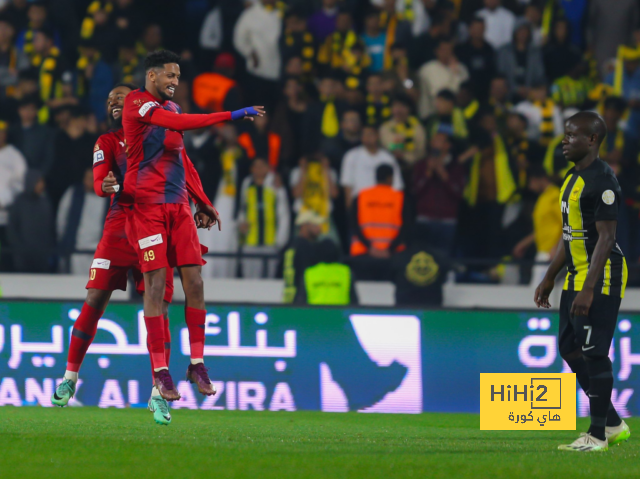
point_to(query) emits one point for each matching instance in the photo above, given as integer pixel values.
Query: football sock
(579, 367)
(73, 375)
(155, 337)
(195, 323)
(83, 333)
(167, 341)
(154, 391)
(600, 387)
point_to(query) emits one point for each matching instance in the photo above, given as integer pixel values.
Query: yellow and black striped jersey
(586, 197)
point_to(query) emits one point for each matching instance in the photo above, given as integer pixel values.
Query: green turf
(88, 442)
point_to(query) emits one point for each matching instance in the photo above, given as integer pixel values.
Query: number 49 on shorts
(149, 255)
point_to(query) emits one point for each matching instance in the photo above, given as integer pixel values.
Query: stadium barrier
(287, 358)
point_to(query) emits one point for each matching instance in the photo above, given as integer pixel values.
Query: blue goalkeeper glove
(240, 114)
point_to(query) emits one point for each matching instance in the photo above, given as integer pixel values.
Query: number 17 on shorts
(523, 401)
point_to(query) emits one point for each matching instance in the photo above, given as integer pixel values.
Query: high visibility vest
(328, 284)
(505, 183)
(210, 91)
(379, 217)
(275, 144)
(261, 216)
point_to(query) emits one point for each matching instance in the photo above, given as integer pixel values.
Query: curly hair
(160, 58)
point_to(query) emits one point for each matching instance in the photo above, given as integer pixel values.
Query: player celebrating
(596, 278)
(114, 256)
(157, 168)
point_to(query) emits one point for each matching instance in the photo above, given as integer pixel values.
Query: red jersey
(109, 155)
(157, 167)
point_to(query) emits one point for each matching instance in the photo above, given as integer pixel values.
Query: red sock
(155, 339)
(167, 341)
(83, 333)
(195, 323)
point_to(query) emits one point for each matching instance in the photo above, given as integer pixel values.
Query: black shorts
(592, 334)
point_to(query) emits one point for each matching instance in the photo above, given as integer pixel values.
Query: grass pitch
(90, 442)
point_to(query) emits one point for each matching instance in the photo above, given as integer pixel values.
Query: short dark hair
(327, 251)
(30, 100)
(130, 86)
(616, 103)
(404, 99)
(447, 95)
(160, 58)
(383, 173)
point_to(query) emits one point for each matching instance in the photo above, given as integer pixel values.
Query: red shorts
(112, 261)
(166, 235)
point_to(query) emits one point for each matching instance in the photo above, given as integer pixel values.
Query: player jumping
(114, 256)
(157, 168)
(596, 278)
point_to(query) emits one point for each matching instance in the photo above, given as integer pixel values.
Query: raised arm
(184, 121)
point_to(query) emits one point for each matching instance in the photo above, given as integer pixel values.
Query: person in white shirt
(414, 11)
(443, 72)
(13, 168)
(532, 110)
(256, 37)
(359, 165)
(499, 21)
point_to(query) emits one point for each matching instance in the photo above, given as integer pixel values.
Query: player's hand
(541, 296)
(212, 214)
(582, 303)
(258, 109)
(109, 184)
(202, 220)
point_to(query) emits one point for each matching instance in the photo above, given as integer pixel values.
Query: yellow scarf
(377, 113)
(228, 159)
(315, 196)
(408, 131)
(546, 125)
(330, 121)
(89, 24)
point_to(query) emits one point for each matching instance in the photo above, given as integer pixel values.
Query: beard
(114, 124)
(163, 94)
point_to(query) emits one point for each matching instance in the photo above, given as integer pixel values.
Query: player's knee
(98, 298)
(598, 366)
(193, 285)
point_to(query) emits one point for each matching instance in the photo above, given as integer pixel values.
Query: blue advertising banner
(286, 358)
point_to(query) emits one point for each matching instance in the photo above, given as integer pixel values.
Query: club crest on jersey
(575, 194)
(97, 147)
(138, 102)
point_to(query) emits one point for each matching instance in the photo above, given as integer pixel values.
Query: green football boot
(160, 409)
(63, 393)
(618, 434)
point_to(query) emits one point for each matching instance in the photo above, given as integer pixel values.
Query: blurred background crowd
(414, 136)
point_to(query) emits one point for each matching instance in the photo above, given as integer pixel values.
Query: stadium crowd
(392, 125)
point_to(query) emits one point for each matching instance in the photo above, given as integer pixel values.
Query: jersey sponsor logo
(146, 107)
(150, 241)
(568, 232)
(98, 156)
(101, 263)
(608, 197)
(565, 207)
(121, 143)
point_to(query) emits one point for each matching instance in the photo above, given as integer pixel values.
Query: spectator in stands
(397, 31)
(325, 114)
(349, 137)
(129, 66)
(93, 79)
(424, 46)
(521, 62)
(79, 224)
(547, 218)
(218, 91)
(31, 231)
(533, 15)
(543, 115)
(261, 141)
(400, 78)
(437, 185)
(447, 117)
(13, 168)
(33, 139)
(314, 186)
(37, 20)
(403, 135)
(301, 252)
(377, 108)
(222, 166)
(11, 59)
(379, 221)
(626, 81)
(559, 53)
(375, 40)
(323, 22)
(150, 40)
(72, 151)
(263, 220)
(572, 90)
(99, 28)
(499, 21)
(608, 27)
(478, 56)
(443, 72)
(328, 282)
(617, 146)
(498, 103)
(361, 163)
(256, 38)
(334, 51)
(292, 122)
(522, 152)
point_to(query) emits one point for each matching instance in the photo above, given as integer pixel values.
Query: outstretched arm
(182, 122)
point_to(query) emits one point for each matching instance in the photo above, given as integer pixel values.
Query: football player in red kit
(114, 256)
(156, 181)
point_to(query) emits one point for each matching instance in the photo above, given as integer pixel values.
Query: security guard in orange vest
(379, 218)
(218, 91)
